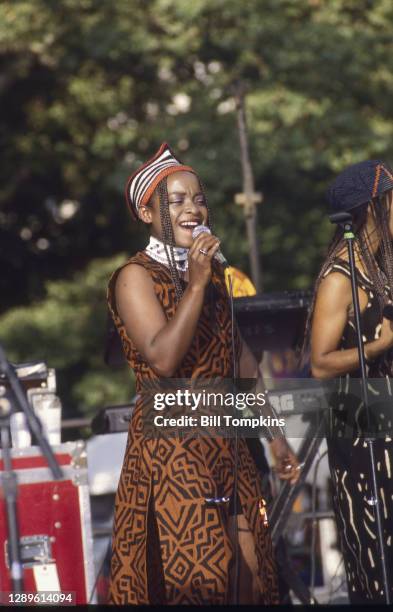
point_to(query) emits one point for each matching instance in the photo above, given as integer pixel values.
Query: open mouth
(189, 225)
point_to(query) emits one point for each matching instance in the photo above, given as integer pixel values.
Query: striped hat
(142, 183)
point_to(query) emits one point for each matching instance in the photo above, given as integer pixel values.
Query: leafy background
(90, 88)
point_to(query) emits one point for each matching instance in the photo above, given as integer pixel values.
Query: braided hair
(379, 265)
(168, 235)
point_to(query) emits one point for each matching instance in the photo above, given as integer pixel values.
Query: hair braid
(385, 254)
(168, 237)
(371, 265)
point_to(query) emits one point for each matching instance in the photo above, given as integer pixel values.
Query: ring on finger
(204, 252)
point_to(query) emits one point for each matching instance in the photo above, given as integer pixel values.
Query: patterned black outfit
(350, 462)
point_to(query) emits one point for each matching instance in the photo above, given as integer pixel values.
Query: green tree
(90, 88)
(67, 331)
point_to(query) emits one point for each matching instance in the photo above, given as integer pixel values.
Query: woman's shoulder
(335, 279)
(334, 294)
(339, 266)
(140, 270)
(133, 269)
(131, 272)
(134, 262)
(139, 265)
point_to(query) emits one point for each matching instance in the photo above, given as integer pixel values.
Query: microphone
(218, 256)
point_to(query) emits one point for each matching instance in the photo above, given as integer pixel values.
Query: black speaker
(273, 321)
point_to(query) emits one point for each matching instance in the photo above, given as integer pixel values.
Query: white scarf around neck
(156, 250)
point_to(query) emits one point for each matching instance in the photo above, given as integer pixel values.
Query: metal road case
(54, 523)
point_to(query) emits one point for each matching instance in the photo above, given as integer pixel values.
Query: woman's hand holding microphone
(200, 256)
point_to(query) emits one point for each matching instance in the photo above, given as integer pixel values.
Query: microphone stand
(345, 220)
(10, 487)
(9, 478)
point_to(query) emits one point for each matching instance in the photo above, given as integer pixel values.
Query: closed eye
(179, 200)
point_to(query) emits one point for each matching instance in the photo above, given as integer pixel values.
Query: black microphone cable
(235, 595)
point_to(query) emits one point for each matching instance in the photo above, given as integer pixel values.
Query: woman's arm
(286, 463)
(332, 305)
(161, 342)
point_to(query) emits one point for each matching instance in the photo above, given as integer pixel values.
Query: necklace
(156, 250)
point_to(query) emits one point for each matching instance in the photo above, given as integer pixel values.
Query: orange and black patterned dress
(169, 544)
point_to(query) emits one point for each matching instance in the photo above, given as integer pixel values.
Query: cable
(236, 457)
(314, 523)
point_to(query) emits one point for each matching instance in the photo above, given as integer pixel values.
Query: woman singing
(175, 510)
(365, 190)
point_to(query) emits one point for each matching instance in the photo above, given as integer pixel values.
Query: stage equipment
(113, 419)
(39, 383)
(55, 535)
(345, 220)
(10, 402)
(283, 502)
(273, 321)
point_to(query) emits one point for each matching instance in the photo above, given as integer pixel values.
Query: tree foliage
(90, 88)
(67, 331)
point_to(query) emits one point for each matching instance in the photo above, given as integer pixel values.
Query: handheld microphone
(218, 256)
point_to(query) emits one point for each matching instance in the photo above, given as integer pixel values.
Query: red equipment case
(54, 523)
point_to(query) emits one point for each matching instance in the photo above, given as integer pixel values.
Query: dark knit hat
(358, 184)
